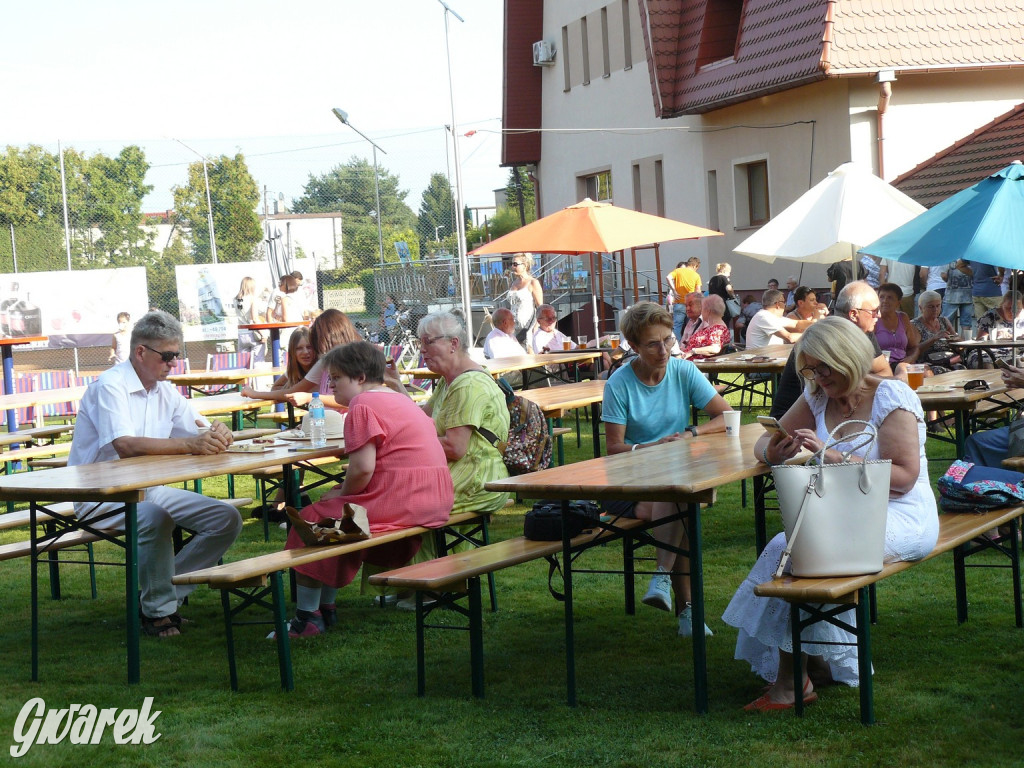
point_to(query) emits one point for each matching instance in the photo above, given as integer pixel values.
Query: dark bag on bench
(544, 521)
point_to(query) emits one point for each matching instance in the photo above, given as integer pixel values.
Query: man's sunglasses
(167, 357)
(975, 384)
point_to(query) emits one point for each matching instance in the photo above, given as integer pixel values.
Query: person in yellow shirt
(681, 281)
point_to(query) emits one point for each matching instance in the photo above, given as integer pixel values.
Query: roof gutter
(825, 63)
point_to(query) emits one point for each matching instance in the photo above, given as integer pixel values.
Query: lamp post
(460, 219)
(209, 205)
(343, 116)
(437, 229)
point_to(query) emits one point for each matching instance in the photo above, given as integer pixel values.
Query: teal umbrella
(983, 223)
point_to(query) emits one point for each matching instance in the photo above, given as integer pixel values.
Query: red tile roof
(989, 149)
(783, 44)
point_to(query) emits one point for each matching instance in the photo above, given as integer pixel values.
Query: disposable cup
(915, 375)
(566, 345)
(732, 423)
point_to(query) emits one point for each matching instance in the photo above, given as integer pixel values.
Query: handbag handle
(816, 484)
(865, 437)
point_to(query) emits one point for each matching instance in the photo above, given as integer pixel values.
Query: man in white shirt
(546, 337)
(132, 410)
(501, 341)
(693, 303)
(769, 326)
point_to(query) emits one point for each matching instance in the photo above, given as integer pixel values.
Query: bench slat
(460, 566)
(955, 528)
(260, 567)
(18, 549)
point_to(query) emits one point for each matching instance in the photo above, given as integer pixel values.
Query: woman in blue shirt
(647, 402)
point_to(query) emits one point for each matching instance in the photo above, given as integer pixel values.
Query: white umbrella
(848, 209)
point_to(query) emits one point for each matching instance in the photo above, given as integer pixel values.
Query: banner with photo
(72, 309)
(207, 295)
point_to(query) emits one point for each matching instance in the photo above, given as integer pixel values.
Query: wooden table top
(988, 343)
(226, 376)
(32, 433)
(127, 479)
(554, 401)
(41, 397)
(10, 341)
(500, 365)
(684, 470)
(956, 398)
(741, 362)
(227, 402)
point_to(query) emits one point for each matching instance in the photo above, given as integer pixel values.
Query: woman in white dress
(245, 314)
(834, 357)
(525, 294)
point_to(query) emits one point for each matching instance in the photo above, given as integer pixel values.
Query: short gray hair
(852, 297)
(445, 323)
(713, 304)
(156, 325)
(927, 296)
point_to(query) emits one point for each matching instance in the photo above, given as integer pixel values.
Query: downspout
(885, 78)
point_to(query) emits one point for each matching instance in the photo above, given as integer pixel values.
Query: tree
(349, 189)
(234, 195)
(520, 196)
(437, 213)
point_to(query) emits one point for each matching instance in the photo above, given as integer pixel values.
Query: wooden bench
(823, 599)
(448, 579)
(57, 537)
(255, 579)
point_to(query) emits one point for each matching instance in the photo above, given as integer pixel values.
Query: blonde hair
(525, 257)
(722, 266)
(643, 315)
(841, 345)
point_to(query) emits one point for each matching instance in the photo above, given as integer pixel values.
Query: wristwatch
(692, 430)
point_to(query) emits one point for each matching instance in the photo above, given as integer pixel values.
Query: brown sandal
(156, 627)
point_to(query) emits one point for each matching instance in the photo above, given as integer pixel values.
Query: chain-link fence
(142, 211)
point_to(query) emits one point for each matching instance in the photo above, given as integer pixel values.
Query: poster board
(206, 295)
(74, 309)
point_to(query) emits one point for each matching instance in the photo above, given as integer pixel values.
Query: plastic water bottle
(317, 422)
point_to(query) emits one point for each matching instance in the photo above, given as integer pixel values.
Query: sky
(260, 77)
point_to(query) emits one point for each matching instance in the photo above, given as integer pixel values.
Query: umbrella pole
(593, 290)
(636, 283)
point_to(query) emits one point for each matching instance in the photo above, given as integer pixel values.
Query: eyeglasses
(876, 312)
(821, 370)
(975, 384)
(656, 346)
(424, 342)
(167, 357)
(518, 263)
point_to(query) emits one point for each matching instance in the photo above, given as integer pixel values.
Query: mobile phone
(1000, 363)
(772, 425)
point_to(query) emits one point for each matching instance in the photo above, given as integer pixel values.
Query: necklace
(854, 403)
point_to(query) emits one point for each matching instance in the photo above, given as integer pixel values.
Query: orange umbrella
(590, 227)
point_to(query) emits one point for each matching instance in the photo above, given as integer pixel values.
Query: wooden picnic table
(555, 402)
(946, 392)
(229, 402)
(500, 365)
(685, 472)
(275, 335)
(769, 361)
(229, 377)
(126, 480)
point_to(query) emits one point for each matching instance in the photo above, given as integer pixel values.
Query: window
(649, 186)
(713, 199)
(585, 36)
(596, 186)
(627, 43)
(566, 82)
(606, 59)
(752, 202)
(719, 35)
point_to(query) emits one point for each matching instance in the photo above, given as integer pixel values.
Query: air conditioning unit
(543, 53)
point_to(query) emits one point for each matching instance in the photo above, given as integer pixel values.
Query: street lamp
(343, 116)
(209, 205)
(437, 229)
(460, 219)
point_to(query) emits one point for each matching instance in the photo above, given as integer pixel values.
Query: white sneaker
(409, 603)
(686, 623)
(659, 591)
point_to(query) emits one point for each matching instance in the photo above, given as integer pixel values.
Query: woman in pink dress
(397, 470)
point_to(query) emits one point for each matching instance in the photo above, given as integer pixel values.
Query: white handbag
(835, 514)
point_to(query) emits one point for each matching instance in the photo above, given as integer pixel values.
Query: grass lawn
(944, 694)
